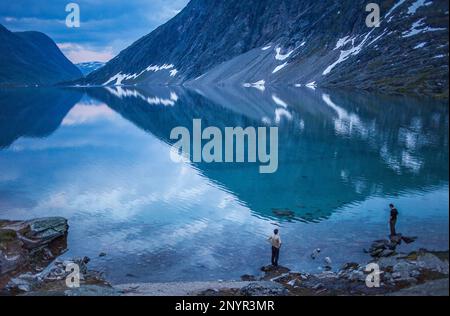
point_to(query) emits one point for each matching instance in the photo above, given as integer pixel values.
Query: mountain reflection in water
(100, 157)
(331, 145)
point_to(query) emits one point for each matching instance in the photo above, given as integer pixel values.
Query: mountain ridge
(32, 58)
(292, 42)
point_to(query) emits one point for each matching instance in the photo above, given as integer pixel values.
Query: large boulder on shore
(42, 231)
(31, 243)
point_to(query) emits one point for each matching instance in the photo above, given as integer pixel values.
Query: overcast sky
(107, 26)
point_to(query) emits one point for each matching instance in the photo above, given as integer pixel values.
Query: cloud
(87, 113)
(78, 53)
(107, 26)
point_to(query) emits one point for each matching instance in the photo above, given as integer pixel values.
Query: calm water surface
(101, 158)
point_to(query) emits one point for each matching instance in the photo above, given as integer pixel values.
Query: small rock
(397, 239)
(409, 240)
(405, 282)
(377, 252)
(357, 276)
(321, 291)
(415, 274)
(292, 283)
(264, 289)
(248, 277)
(283, 212)
(403, 268)
(328, 264)
(350, 266)
(22, 284)
(379, 244)
(318, 286)
(387, 253)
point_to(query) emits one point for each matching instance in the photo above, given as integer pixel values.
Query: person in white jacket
(275, 240)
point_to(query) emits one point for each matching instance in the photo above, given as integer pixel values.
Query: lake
(101, 158)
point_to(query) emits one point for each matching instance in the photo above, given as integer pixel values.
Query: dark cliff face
(293, 42)
(32, 58)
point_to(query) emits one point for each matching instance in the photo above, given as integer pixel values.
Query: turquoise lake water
(101, 158)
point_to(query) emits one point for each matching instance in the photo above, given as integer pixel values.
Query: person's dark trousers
(275, 256)
(393, 223)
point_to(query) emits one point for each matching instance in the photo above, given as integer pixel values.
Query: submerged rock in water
(409, 240)
(283, 213)
(315, 253)
(387, 253)
(387, 248)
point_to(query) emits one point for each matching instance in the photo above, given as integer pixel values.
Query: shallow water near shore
(101, 158)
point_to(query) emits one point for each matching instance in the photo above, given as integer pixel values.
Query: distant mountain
(88, 67)
(32, 58)
(325, 43)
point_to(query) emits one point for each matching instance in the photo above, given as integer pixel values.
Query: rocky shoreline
(29, 265)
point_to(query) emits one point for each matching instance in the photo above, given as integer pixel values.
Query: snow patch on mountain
(343, 41)
(378, 37)
(120, 77)
(416, 5)
(278, 68)
(282, 57)
(117, 78)
(398, 4)
(346, 54)
(420, 45)
(419, 27)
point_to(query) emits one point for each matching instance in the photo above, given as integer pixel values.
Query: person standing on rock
(275, 240)
(393, 220)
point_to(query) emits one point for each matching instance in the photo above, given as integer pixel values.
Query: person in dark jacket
(393, 220)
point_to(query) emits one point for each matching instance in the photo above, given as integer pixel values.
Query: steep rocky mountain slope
(327, 43)
(32, 58)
